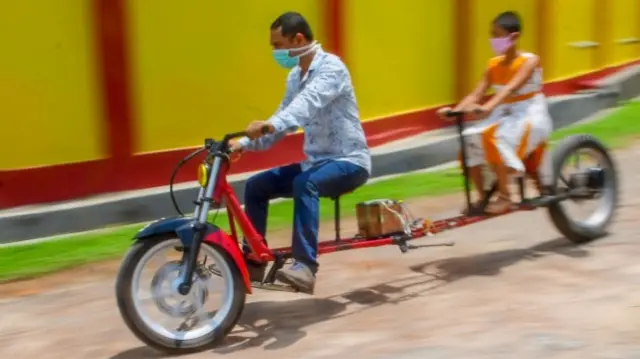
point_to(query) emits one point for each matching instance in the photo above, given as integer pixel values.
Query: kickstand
(402, 243)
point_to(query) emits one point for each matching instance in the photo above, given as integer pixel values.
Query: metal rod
(521, 189)
(336, 208)
(191, 254)
(463, 152)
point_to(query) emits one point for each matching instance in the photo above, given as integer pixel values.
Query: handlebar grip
(454, 113)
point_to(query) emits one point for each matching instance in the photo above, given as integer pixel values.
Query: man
(319, 99)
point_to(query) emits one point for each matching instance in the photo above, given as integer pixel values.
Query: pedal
(274, 287)
(533, 203)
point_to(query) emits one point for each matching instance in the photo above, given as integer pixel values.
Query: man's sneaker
(298, 276)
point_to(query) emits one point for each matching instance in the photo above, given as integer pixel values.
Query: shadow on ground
(275, 325)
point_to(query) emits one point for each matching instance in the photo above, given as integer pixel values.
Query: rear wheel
(190, 323)
(593, 183)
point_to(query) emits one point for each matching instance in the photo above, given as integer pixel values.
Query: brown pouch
(380, 217)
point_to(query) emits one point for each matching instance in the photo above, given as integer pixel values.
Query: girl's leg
(477, 180)
(503, 203)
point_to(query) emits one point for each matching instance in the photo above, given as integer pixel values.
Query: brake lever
(209, 143)
(454, 113)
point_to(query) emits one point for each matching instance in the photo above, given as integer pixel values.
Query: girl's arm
(477, 93)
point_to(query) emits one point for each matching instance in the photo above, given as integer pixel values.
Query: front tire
(222, 322)
(596, 225)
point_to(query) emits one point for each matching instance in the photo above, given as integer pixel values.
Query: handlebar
(223, 145)
(459, 113)
(454, 113)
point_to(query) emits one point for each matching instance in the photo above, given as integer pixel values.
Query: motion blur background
(106, 95)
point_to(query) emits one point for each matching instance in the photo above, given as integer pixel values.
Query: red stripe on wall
(110, 29)
(462, 39)
(334, 12)
(543, 29)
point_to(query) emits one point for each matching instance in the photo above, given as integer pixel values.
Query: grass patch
(25, 261)
(21, 262)
(617, 130)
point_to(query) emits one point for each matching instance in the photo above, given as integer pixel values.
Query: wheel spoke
(162, 294)
(161, 259)
(195, 318)
(212, 285)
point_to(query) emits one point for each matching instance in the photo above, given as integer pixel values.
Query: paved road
(510, 288)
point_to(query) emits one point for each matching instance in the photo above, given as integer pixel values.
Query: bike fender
(184, 229)
(224, 241)
(177, 225)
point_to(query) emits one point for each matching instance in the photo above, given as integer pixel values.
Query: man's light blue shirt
(323, 104)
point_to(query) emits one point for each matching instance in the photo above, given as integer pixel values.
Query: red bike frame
(224, 191)
(262, 253)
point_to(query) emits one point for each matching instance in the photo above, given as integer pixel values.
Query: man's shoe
(298, 276)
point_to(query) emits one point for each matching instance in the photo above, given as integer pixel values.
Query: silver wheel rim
(606, 196)
(204, 322)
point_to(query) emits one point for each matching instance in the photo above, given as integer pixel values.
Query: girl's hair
(509, 21)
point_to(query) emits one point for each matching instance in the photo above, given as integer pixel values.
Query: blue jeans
(328, 179)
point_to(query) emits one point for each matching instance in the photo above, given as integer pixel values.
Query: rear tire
(580, 232)
(146, 334)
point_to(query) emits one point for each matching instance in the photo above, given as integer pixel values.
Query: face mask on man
(284, 59)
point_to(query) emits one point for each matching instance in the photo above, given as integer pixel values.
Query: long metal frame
(218, 191)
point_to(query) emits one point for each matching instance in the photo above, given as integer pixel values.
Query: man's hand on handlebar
(235, 146)
(258, 129)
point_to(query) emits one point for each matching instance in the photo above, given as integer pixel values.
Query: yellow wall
(399, 54)
(203, 68)
(49, 109)
(625, 22)
(572, 21)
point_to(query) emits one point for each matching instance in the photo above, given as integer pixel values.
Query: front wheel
(191, 323)
(583, 167)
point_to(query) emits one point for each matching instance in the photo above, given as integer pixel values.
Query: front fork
(191, 252)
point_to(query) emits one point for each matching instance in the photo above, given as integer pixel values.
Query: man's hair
(510, 21)
(291, 23)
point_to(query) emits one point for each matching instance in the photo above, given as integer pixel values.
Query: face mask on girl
(284, 59)
(500, 45)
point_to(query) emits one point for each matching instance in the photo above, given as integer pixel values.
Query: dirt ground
(509, 288)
